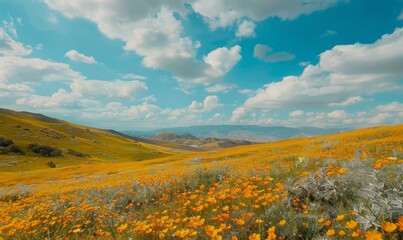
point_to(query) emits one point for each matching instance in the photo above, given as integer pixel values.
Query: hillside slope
(78, 144)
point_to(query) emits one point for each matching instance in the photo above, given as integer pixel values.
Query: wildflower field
(340, 186)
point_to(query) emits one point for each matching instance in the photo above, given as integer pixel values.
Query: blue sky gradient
(135, 65)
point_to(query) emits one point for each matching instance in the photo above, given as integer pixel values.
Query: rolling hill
(76, 144)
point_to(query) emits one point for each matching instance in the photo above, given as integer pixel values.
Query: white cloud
(84, 93)
(263, 52)
(115, 19)
(391, 113)
(390, 107)
(58, 99)
(15, 87)
(348, 101)
(98, 89)
(342, 72)
(150, 113)
(223, 13)
(221, 87)
(120, 112)
(337, 114)
(246, 29)
(150, 99)
(9, 26)
(34, 70)
(297, 113)
(379, 118)
(133, 76)
(158, 39)
(303, 64)
(238, 113)
(222, 60)
(150, 29)
(75, 56)
(9, 47)
(209, 103)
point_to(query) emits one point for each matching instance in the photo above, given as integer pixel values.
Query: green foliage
(4, 142)
(44, 150)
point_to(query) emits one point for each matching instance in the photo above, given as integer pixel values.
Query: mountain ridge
(252, 133)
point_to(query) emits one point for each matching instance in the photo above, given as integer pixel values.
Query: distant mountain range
(251, 133)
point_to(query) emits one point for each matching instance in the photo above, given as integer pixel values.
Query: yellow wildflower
(373, 235)
(388, 227)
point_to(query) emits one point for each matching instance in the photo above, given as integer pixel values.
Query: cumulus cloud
(221, 87)
(342, 72)
(75, 56)
(99, 89)
(150, 99)
(222, 60)
(60, 98)
(264, 53)
(10, 47)
(390, 107)
(297, 113)
(15, 87)
(348, 101)
(238, 113)
(223, 13)
(85, 93)
(337, 114)
(133, 76)
(116, 110)
(15, 69)
(151, 30)
(209, 103)
(390, 113)
(246, 29)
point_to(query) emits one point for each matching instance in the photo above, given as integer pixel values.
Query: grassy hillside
(78, 144)
(337, 186)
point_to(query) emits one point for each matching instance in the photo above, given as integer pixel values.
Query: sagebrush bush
(44, 150)
(13, 148)
(5, 142)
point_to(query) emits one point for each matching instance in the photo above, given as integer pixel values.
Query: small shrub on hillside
(51, 164)
(13, 148)
(44, 150)
(5, 142)
(75, 153)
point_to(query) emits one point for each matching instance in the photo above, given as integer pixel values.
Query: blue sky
(136, 65)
